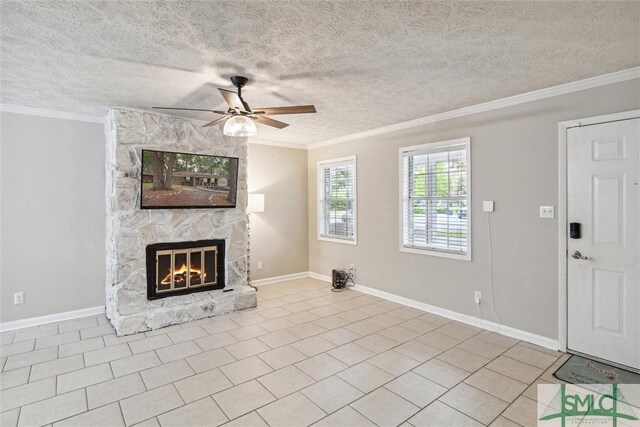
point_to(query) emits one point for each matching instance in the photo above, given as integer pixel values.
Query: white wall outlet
(18, 298)
(477, 297)
(546, 212)
(352, 267)
(488, 206)
(259, 265)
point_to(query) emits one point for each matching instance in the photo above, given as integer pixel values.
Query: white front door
(603, 196)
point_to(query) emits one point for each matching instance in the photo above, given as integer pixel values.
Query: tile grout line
(434, 357)
(369, 316)
(257, 379)
(500, 373)
(384, 384)
(258, 414)
(28, 376)
(412, 370)
(466, 415)
(316, 381)
(522, 394)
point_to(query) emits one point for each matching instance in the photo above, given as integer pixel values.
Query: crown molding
(41, 112)
(592, 82)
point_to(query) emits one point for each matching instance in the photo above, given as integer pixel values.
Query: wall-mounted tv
(182, 180)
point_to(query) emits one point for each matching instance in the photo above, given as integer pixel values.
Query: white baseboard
(319, 277)
(453, 315)
(275, 279)
(51, 318)
(449, 314)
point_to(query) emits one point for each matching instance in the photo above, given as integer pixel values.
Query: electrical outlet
(18, 298)
(352, 267)
(488, 206)
(478, 297)
(546, 211)
(259, 265)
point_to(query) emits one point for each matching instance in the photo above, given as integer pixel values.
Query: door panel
(603, 284)
(608, 309)
(608, 224)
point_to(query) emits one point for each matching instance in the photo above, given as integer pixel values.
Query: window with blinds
(337, 200)
(436, 199)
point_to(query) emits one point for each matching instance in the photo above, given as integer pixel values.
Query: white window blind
(435, 197)
(337, 200)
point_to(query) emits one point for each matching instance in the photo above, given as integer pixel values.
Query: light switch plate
(546, 212)
(488, 206)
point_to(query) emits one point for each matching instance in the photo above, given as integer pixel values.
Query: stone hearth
(130, 230)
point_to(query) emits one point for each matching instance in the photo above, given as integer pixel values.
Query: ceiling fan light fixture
(240, 126)
(237, 122)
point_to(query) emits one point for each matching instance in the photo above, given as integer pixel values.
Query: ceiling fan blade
(190, 109)
(232, 99)
(294, 109)
(270, 122)
(217, 121)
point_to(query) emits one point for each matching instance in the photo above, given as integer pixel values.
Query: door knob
(578, 255)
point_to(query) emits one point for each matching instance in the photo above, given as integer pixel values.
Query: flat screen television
(182, 180)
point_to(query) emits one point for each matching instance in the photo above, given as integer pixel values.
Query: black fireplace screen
(185, 267)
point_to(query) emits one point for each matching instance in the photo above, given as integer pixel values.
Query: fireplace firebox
(185, 267)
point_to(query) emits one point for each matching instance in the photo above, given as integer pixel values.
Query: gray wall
(279, 235)
(52, 187)
(514, 158)
(52, 214)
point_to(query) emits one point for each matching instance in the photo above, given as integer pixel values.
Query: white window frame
(428, 147)
(323, 164)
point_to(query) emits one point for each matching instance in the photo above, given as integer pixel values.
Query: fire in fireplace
(185, 267)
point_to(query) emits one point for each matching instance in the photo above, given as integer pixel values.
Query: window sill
(343, 241)
(435, 253)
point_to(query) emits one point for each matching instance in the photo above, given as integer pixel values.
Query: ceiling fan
(239, 118)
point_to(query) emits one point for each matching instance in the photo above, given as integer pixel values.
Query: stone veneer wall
(130, 229)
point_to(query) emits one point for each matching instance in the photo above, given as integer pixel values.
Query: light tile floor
(304, 356)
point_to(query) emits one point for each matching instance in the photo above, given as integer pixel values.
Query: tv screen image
(183, 180)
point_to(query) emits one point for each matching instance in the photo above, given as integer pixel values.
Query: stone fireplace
(169, 266)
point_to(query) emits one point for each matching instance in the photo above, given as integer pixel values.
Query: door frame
(563, 276)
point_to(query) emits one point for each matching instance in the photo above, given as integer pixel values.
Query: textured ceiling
(364, 64)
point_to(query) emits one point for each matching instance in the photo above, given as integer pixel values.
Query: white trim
(319, 276)
(562, 234)
(345, 160)
(593, 82)
(258, 141)
(563, 127)
(41, 112)
(335, 162)
(435, 252)
(453, 315)
(51, 318)
(426, 147)
(276, 279)
(353, 242)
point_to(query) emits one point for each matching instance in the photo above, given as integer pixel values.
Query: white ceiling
(364, 64)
